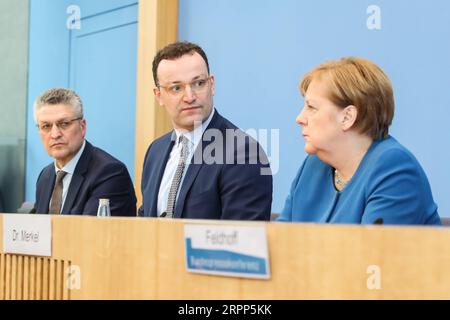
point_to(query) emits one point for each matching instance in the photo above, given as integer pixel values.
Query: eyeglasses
(61, 125)
(179, 89)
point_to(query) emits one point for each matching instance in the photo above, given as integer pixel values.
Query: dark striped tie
(55, 204)
(177, 178)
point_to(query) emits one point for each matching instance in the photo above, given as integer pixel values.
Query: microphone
(378, 221)
(163, 215)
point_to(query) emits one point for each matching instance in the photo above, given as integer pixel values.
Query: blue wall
(49, 60)
(259, 49)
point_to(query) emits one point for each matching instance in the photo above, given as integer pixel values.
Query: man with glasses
(81, 174)
(206, 168)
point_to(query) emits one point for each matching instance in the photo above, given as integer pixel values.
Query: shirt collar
(195, 135)
(70, 166)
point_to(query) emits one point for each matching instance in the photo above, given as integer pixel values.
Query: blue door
(96, 56)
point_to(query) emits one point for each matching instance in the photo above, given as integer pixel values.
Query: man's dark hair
(174, 51)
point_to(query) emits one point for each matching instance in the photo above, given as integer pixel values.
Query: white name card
(237, 251)
(27, 234)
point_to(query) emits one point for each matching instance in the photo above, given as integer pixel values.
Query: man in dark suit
(206, 168)
(81, 173)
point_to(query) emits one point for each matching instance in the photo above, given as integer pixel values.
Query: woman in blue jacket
(355, 171)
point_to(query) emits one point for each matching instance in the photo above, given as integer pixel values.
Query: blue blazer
(211, 191)
(389, 186)
(97, 175)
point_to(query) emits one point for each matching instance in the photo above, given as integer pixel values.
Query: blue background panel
(98, 61)
(259, 50)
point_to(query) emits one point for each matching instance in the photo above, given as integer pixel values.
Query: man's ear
(83, 126)
(212, 86)
(157, 93)
(349, 115)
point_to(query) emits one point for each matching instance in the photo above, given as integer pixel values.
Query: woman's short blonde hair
(361, 83)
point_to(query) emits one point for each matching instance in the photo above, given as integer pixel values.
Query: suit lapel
(194, 169)
(160, 165)
(49, 182)
(77, 178)
(189, 179)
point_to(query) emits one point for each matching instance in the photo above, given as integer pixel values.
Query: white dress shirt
(70, 169)
(193, 138)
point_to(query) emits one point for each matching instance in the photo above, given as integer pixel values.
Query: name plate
(27, 234)
(237, 251)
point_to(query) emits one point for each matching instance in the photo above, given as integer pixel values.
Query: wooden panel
(24, 278)
(32, 283)
(13, 289)
(7, 277)
(19, 289)
(120, 269)
(158, 23)
(65, 288)
(59, 275)
(51, 279)
(45, 278)
(2, 276)
(39, 278)
(143, 258)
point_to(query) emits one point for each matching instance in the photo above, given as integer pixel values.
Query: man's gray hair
(56, 96)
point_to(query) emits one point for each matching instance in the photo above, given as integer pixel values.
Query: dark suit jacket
(213, 191)
(97, 175)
